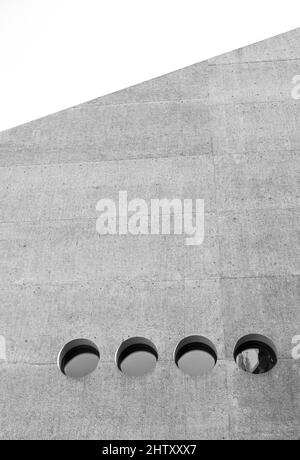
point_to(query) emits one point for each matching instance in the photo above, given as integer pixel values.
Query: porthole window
(136, 356)
(195, 355)
(255, 354)
(78, 358)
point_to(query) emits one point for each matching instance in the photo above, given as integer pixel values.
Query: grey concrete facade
(226, 130)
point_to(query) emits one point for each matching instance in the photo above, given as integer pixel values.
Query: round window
(195, 355)
(78, 358)
(255, 354)
(136, 356)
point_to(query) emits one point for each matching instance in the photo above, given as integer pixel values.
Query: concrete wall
(226, 130)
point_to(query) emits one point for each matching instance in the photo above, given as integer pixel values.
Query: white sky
(59, 53)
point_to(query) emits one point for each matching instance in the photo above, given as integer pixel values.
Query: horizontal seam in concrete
(85, 282)
(116, 160)
(178, 101)
(171, 157)
(205, 102)
(290, 275)
(241, 211)
(237, 63)
(216, 212)
(219, 153)
(67, 219)
(146, 159)
(163, 361)
(137, 281)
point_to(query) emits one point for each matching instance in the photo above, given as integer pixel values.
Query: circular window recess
(255, 354)
(195, 355)
(78, 358)
(136, 356)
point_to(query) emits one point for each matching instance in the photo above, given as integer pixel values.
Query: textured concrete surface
(226, 130)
